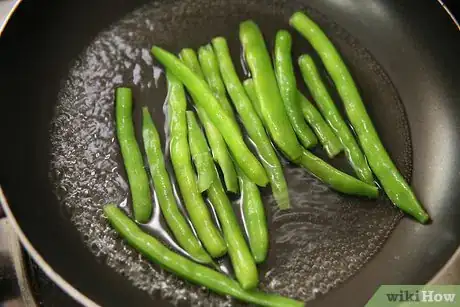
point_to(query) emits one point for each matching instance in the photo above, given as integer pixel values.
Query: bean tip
(189, 114)
(207, 47)
(296, 16)
(248, 82)
(185, 52)
(423, 217)
(219, 40)
(109, 208)
(259, 257)
(145, 111)
(233, 188)
(247, 25)
(123, 89)
(283, 34)
(303, 58)
(155, 49)
(262, 181)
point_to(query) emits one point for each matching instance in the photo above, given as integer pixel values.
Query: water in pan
(323, 240)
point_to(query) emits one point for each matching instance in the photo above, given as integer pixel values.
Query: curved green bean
(397, 189)
(181, 161)
(227, 127)
(185, 268)
(271, 103)
(201, 155)
(252, 123)
(216, 141)
(176, 222)
(336, 179)
(332, 115)
(254, 218)
(132, 157)
(326, 136)
(210, 67)
(284, 71)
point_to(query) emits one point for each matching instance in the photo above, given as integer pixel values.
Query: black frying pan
(60, 60)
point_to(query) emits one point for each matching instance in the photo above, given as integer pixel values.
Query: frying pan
(59, 63)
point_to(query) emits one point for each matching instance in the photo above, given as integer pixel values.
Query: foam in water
(314, 246)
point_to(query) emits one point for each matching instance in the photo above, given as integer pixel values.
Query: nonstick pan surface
(61, 60)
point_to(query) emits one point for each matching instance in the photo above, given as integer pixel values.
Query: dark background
(454, 6)
(7, 283)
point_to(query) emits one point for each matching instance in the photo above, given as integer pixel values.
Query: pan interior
(319, 243)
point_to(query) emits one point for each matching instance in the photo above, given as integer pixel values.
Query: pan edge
(442, 276)
(47, 269)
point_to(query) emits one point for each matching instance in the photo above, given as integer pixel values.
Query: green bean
(238, 250)
(254, 218)
(176, 222)
(227, 127)
(210, 67)
(201, 155)
(331, 113)
(216, 141)
(252, 123)
(284, 71)
(397, 189)
(327, 137)
(185, 268)
(181, 161)
(251, 92)
(336, 179)
(243, 264)
(132, 157)
(271, 104)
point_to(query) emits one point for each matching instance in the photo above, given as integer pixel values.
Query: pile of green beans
(176, 222)
(328, 174)
(186, 178)
(272, 107)
(335, 120)
(252, 123)
(243, 263)
(393, 182)
(224, 123)
(269, 107)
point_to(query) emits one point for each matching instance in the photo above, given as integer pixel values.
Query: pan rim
(47, 269)
(440, 277)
